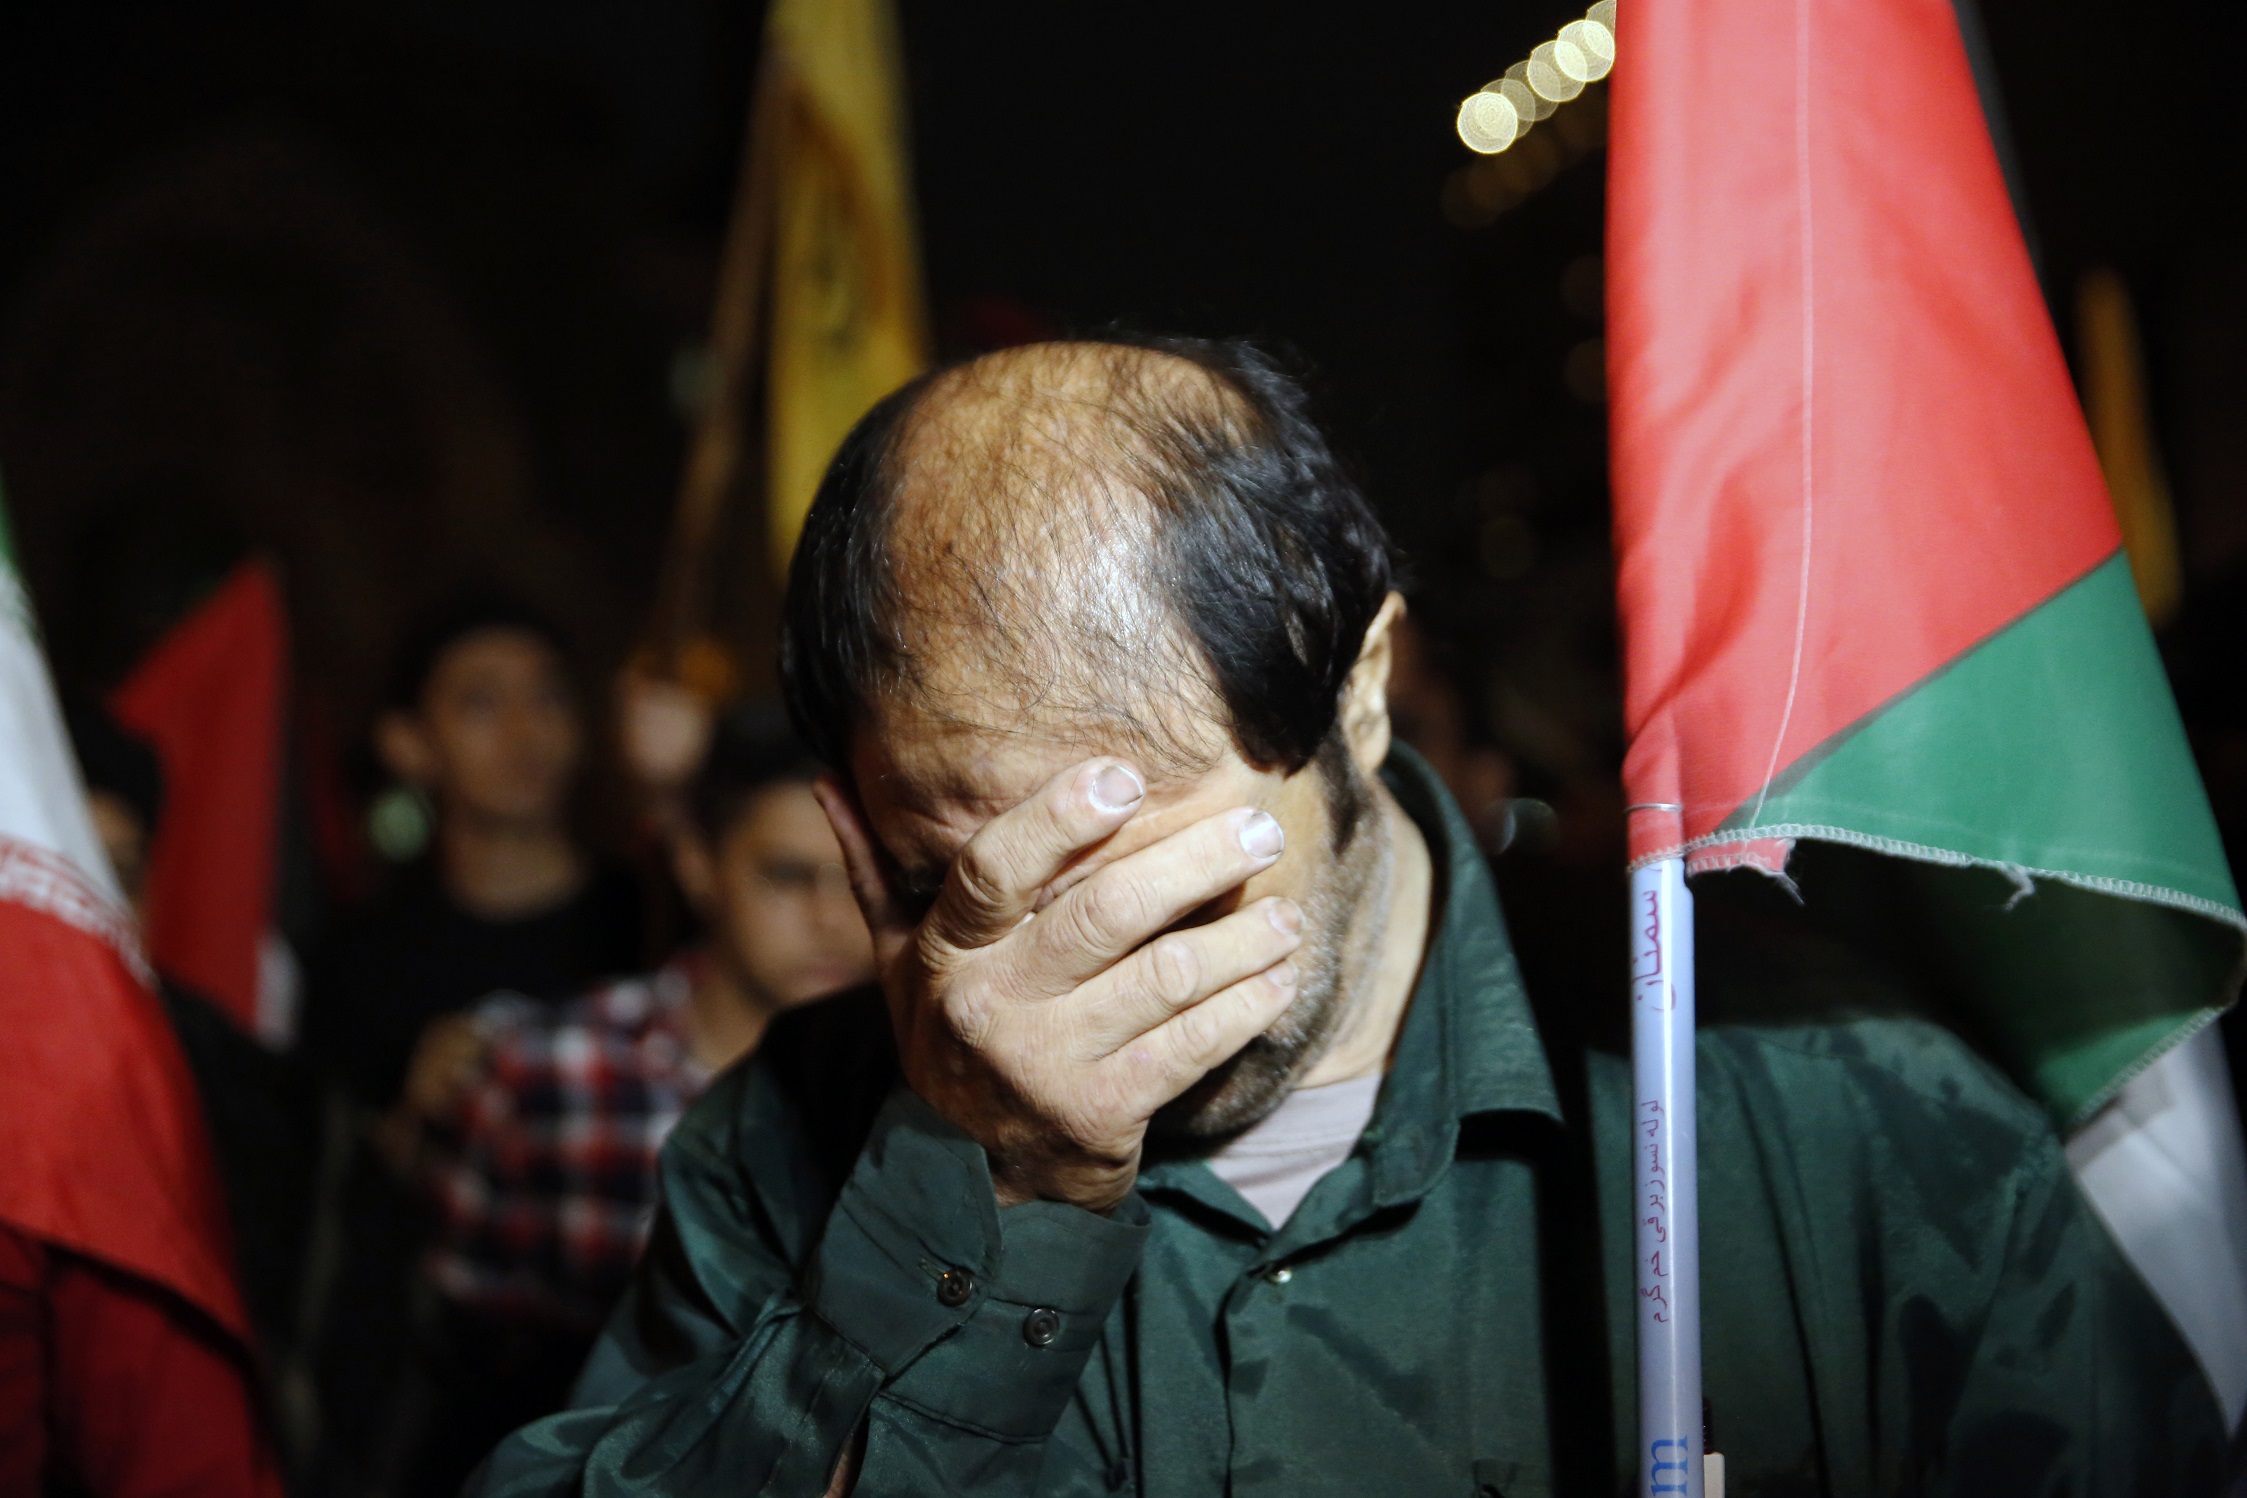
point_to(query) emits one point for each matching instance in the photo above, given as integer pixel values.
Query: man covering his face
(1201, 1139)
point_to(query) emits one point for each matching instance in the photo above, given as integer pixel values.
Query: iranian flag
(1872, 588)
(105, 1152)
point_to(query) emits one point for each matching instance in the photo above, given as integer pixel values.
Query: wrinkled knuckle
(979, 877)
(1111, 909)
(972, 1016)
(1174, 970)
(1196, 1034)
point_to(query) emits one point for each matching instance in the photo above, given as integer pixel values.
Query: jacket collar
(1469, 1044)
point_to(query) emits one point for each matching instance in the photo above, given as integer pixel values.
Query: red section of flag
(1846, 448)
(106, 1152)
(209, 698)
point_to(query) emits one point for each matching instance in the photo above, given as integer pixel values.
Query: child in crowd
(484, 723)
(485, 727)
(547, 1181)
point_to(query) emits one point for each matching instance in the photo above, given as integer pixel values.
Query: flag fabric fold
(1871, 583)
(106, 1152)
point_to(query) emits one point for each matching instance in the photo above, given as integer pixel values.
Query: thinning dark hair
(1265, 555)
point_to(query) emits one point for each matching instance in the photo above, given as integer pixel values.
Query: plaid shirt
(545, 1189)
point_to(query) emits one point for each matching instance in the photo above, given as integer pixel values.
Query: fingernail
(1282, 976)
(1261, 836)
(1117, 789)
(1287, 917)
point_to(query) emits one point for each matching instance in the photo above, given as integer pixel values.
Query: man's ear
(403, 746)
(1365, 696)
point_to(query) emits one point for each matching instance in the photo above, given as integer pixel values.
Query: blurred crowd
(439, 1181)
(442, 1163)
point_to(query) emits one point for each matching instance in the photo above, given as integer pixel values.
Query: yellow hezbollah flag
(848, 325)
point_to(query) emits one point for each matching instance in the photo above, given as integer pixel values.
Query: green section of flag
(2072, 991)
(2052, 747)
(2086, 899)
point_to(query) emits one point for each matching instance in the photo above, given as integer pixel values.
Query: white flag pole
(1667, 1209)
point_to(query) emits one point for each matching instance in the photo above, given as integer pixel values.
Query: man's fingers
(863, 860)
(995, 880)
(1099, 921)
(1182, 1050)
(1183, 968)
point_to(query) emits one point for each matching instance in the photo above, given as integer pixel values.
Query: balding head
(1078, 551)
(1147, 543)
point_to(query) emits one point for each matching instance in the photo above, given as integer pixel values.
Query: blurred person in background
(663, 731)
(546, 1178)
(262, 1106)
(485, 733)
(484, 726)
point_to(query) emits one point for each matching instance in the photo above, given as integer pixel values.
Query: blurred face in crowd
(496, 736)
(124, 838)
(778, 904)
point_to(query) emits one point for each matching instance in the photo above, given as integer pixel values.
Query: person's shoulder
(817, 1078)
(606, 920)
(789, 1121)
(623, 1008)
(1857, 1096)
(356, 934)
(610, 892)
(1908, 1069)
(611, 1012)
(410, 897)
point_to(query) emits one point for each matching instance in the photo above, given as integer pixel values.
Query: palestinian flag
(208, 696)
(1872, 588)
(105, 1152)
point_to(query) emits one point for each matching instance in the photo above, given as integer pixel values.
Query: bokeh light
(1501, 112)
(1586, 50)
(1527, 106)
(1488, 122)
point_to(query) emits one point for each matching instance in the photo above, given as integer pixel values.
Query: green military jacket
(1903, 1293)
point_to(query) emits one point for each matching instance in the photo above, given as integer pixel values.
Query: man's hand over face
(1051, 1036)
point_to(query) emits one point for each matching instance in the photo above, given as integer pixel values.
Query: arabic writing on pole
(1654, 1181)
(1650, 980)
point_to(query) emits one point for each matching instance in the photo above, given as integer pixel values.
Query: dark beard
(1243, 1091)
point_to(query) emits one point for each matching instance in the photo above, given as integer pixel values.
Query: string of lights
(1504, 110)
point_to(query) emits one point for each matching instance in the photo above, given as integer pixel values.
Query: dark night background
(412, 296)
(402, 293)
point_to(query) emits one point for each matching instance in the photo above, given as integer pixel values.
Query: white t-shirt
(1275, 1164)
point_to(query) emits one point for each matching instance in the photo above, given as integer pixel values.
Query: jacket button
(1041, 1326)
(1279, 1274)
(955, 1288)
